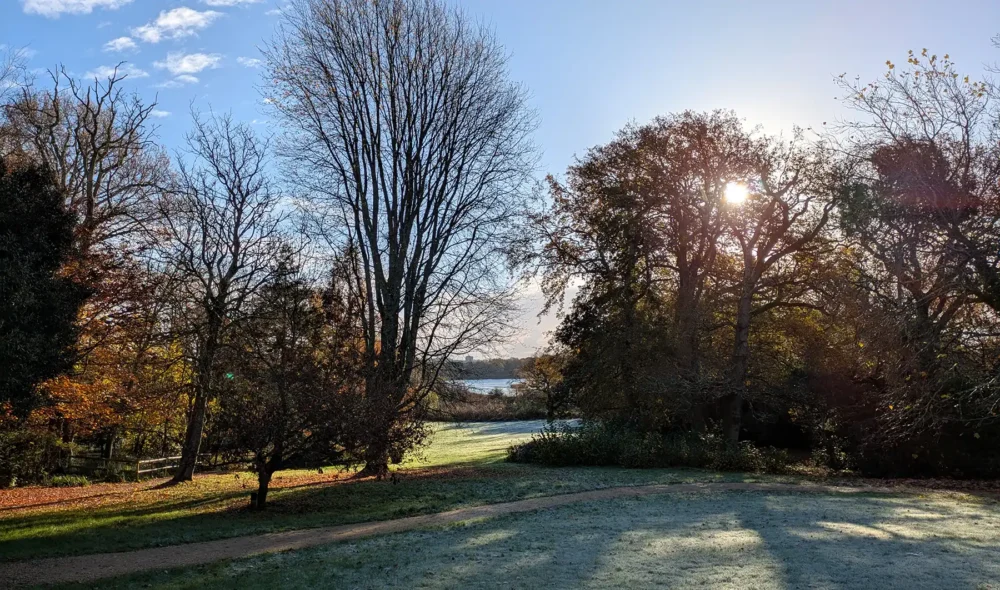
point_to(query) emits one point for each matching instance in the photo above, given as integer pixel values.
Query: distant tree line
(499, 368)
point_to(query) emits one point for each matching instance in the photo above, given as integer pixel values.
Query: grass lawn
(462, 466)
(710, 540)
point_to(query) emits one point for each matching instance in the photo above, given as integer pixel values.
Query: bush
(69, 481)
(600, 443)
(28, 456)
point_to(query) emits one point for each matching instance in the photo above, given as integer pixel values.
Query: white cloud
(103, 72)
(159, 114)
(179, 81)
(250, 62)
(273, 12)
(229, 2)
(53, 8)
(188, 63)
(120, 44)
(176, 23)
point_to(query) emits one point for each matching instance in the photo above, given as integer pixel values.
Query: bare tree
(11, 69)
(223, 228)
(414, 147)
(12, 73)
(98, 141)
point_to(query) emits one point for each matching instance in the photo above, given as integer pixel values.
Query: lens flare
(736, 193)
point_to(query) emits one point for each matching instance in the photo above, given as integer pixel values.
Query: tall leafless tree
(223, 235)
(99, 142)
(414, 147)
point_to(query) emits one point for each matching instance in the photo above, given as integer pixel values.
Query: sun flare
(736, 193)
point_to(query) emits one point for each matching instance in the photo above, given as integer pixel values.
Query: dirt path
(86, 568)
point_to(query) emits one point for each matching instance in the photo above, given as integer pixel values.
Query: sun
(736, 193)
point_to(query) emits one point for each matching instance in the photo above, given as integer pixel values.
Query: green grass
(705, 540)
(462, 466)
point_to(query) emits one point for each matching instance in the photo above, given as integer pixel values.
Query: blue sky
(591, 66)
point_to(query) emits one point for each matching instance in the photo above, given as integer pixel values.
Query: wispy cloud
(159, 114)
(174, 24)
(123, 70)
(179, 81)
(188, 63)
(120, 44)
(250, 62)
(54, 8)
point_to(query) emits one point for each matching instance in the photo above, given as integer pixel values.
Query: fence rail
(94, 465)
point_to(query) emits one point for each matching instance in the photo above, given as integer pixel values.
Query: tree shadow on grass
(709, 539)
(875, 541)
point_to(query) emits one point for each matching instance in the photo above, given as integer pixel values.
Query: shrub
(117, 473)
(602, 443)
(28, 455)
(69, 481)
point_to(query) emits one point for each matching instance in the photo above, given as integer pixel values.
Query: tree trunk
(263, 481)
(732, 418)
(732, 404)
(385, 391)
(109, 445)
(192, 439)
(203, 389)
(377, 455)
(686, 346)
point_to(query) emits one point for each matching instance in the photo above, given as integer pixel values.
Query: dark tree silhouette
(38, 307)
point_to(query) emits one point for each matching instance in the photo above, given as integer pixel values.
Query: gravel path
(86, 568)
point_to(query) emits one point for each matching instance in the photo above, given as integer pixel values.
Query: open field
(764, 539)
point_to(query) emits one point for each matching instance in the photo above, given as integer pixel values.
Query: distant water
(488, 385)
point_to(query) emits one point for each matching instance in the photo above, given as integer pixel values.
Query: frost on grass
(711, 540)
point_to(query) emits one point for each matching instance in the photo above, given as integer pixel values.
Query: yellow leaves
(945, 396)
(975, 434)
(891, 407)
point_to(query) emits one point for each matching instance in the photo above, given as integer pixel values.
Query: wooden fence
(92, 465)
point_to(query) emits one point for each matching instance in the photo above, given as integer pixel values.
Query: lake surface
(488, 385)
